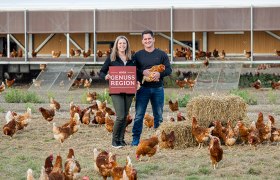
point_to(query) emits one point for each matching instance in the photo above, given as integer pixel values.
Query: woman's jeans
(122, 103)
(143, 95)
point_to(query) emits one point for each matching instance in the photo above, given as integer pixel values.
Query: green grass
(244, 94)
(19, 96)
(272, 97)
(253, 171)
(104, 96)
(184, 101)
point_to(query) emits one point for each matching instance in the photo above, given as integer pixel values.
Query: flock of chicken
(199, 55)
(72, 168)
(187, 53)
(258, 84)
(184, 52)
(257, 133)
(105, 162)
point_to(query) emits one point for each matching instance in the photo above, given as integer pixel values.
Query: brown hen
(147, 147)
(216, 151)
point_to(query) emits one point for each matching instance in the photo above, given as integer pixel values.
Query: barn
(35, 33)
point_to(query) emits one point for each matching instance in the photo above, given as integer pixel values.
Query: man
(152, 91)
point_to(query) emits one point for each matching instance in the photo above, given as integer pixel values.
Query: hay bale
(209, 108)
(182, 131)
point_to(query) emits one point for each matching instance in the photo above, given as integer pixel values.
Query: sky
(124, 4)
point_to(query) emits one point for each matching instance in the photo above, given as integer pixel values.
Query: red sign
(122, 79)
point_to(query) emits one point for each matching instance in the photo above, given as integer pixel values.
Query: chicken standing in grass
(200, 134)
(48, 114)
(72, 167)
(54, 104)
(147, 147)
(216, 152)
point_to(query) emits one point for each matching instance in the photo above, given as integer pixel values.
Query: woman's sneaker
(123, 143)
(116, 145)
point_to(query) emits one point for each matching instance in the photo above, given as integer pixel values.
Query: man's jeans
(143, 95)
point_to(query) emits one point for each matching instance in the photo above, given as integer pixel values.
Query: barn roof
(128, 4)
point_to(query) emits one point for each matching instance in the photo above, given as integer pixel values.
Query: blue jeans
(143, 95)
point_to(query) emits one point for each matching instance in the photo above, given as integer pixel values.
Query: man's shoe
(135, 142)
(116, 145)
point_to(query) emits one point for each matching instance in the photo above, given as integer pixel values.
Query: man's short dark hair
(148, 32)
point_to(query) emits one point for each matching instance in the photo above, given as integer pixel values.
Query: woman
(120, 56)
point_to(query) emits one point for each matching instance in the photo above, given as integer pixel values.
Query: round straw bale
(209, 108)
(182, 131)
